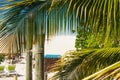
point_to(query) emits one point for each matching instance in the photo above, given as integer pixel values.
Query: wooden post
(16, 77)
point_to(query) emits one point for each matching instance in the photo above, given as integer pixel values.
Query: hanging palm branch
(12, 19)
(110, 72)
(13, 15)
(77, 65)
(100, 16)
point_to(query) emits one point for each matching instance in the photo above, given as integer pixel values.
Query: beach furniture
(2, 71)
(10, 69)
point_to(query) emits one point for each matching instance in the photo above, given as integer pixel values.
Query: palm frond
(100, 16)
(110, 71)
(87, 62)
(13, 17)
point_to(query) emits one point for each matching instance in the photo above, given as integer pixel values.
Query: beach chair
(10, 70)
(2, 71)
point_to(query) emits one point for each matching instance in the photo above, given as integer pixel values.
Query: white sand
(21, 71)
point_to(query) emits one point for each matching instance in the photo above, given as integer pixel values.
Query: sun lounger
(2, 71)
(10, 70)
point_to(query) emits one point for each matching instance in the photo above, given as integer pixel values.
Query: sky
(60, 44)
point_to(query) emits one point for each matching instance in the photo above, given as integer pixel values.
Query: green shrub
(2, 57)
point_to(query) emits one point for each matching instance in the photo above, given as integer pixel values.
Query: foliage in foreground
(77, 65)
(111, 72)
(99, 18)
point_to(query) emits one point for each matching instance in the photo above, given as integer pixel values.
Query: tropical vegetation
(97, 44)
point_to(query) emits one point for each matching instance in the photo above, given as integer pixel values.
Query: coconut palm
(26, 22)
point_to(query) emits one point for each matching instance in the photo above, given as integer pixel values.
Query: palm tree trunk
(39, 59)
(39, 66)
(29, 65)
(29, 40)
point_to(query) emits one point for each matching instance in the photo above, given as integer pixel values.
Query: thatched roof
(8, 45)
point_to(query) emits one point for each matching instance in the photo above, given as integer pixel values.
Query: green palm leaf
(99, 15)
(110, 71)
(15, 15)
(77, 65)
